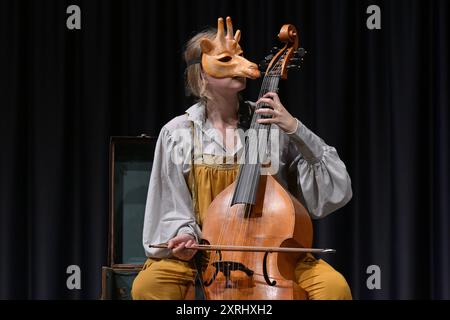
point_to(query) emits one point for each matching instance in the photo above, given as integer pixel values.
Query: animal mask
(222, 57)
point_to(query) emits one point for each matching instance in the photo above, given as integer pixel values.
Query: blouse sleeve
(321, 176)
(168, 210)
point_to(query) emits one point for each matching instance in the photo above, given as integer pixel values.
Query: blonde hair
(195, 84)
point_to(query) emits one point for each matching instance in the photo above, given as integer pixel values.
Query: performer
(180, 192)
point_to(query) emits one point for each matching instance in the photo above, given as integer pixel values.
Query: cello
(256, 231)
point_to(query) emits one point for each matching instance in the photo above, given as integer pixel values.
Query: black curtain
(379, 96)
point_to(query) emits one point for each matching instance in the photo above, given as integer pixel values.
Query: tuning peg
(293, 66)
(300, 52)
(269, 57)
(274, 50)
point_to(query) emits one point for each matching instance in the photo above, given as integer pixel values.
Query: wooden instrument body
(277, 219)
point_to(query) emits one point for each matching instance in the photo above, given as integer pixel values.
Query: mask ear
(206, 45)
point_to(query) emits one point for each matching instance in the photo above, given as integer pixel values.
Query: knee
(138, 288)
(161, 281)
(334, 287)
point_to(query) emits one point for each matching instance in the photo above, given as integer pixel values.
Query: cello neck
(257, 136)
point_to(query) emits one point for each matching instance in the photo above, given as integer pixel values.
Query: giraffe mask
(222, 57)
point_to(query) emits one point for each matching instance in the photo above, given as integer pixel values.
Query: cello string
(270, 85)
(242, 209)
(225, 228)
(246, 209)
(230, 217)
(257, 224)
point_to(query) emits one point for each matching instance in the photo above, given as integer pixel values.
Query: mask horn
(229, 29)
(237, 36)
(220, 30)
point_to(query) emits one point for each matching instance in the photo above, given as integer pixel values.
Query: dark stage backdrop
(379, 96)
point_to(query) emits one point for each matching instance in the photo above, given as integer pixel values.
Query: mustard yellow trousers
(168, 279)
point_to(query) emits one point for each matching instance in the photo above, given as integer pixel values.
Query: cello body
(277, 219)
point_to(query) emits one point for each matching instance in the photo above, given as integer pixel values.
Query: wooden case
(131, 160)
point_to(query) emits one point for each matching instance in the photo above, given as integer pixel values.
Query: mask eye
(225, 59)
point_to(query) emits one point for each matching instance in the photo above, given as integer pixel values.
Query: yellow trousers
(168, 279)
